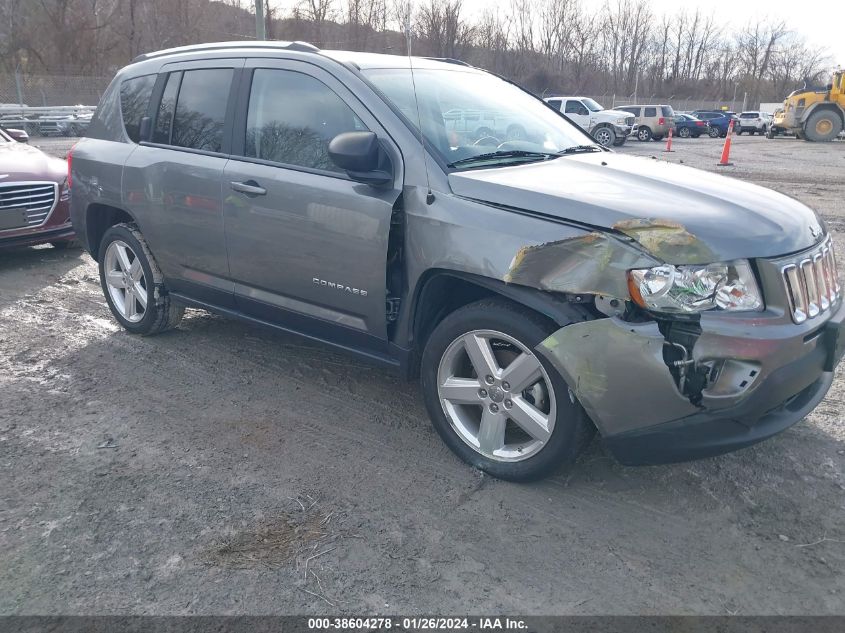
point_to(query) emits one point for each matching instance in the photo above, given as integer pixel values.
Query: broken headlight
(723, 286)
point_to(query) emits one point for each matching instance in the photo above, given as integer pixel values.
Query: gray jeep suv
(542, 287)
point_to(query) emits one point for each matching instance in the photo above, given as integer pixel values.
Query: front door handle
(250, 188)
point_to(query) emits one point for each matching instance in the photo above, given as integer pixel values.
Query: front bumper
(61, 233)
(617, 371)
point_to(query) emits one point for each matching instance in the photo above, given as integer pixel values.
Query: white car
(754, 122)
(608, 127)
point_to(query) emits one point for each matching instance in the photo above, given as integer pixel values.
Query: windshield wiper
(504, 153)
(581, 149)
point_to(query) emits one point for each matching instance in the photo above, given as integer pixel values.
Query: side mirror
(359, 155)
(145, 127)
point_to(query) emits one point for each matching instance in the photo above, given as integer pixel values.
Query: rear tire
(133, 284)
(473, 423)
(684, 132)
(643, 134)
(713, 132)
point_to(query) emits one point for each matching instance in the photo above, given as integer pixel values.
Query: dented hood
(678, 214)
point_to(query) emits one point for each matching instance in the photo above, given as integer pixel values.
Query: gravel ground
(224, 469)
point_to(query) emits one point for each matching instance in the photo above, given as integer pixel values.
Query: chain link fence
(678, 104)
(51, 90)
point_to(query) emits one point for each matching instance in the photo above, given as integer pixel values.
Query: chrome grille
(812, 284)
(38, 198)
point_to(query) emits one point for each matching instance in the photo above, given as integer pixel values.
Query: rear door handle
(250, 188)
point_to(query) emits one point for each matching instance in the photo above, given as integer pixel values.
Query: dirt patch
(270, 543)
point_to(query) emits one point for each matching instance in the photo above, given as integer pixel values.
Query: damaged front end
(666, 387)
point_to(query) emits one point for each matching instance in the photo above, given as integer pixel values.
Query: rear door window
(649, 112)
(134, 100)
(201, 109)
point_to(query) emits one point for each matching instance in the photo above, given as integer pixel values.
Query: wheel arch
(98, 219)
(826, 105)
(440, 292)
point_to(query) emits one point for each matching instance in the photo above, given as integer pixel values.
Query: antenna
(429, 197)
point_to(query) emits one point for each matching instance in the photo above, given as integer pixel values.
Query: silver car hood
(678, 214)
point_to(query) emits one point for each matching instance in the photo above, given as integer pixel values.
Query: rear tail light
(699, 123)
(661, 121)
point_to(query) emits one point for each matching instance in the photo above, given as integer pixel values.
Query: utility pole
(260, 33)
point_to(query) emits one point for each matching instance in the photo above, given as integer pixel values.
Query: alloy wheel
(604, 137)
(496, 395)
(126, 282)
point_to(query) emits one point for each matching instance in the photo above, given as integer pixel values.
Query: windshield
(592, 105)
(468, 113)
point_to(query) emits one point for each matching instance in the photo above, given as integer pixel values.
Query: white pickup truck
(608, 127)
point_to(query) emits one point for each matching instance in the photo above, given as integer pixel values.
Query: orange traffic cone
(669, 142)
(726, 150)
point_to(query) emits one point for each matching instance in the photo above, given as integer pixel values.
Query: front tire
(684, 132)
(496, 403)
(133, 284)
(643, 134)
(605, 136)
(822, 126)
(713, 132)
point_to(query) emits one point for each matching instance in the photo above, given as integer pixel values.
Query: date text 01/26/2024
(417, 624)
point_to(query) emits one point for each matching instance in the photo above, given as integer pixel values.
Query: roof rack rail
(449, 60)
(302, 47)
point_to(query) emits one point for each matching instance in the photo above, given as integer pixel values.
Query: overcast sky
(822, 22)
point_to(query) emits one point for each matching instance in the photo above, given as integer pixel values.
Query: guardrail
(47, 120)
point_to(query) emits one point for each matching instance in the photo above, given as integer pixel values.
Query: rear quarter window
(134, 100)
(667, 111)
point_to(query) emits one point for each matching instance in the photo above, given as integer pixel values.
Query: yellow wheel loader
(814, 114)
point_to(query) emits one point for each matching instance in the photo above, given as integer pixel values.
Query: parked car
(754, 122)
(652, 121)
(608, 127)
(717, 121)
(18, 135)
(481, 124)
(33, 197)
(19, 122)
(541, 288)
(64, 124)
(687, 126)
